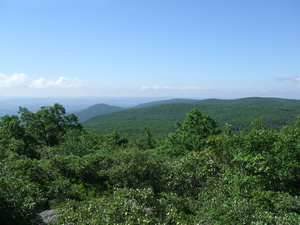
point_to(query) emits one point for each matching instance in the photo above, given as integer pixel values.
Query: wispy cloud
(297, 80)
(61, 82)
(15, 80)
(171, 88)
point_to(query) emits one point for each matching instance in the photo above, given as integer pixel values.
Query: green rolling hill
(171, 101)
(160, 117)
(96, 110)
(254, 101)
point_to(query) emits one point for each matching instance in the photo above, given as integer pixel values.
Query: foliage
(47, 125)
(124, 206)
(191, 133)
(20, 197)
(43, 128)
(188, 175)
(200, 174)
(136, 169)
(146, 142)
(161, 116)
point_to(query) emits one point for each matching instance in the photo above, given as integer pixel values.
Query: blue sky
(150, 48)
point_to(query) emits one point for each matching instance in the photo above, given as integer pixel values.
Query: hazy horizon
(151, 49)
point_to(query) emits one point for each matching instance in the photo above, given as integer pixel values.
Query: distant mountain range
(160, 116)
(131, 115)
(10, 105)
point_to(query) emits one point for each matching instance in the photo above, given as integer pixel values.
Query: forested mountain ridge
(160, 118)
(249, 101)
(101, 109)
(96, 110)
(170, 101)
(252, 101)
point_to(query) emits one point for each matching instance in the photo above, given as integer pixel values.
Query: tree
(191, 133)
(10, 127)
(12, 137)
(146, 142)
(48, 125)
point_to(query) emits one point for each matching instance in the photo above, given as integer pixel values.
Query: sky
(150, 48)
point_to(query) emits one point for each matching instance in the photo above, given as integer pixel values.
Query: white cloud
(61, 82)
(172, 88)
(16, 80)
(21, 80)
(192, 88)
(297, 79)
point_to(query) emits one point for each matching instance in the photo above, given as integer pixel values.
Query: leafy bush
(124, 206)
(20, 199)
(136, 169)
(200, 175)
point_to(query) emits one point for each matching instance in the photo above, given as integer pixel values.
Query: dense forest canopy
(200, 173)
(161, 116)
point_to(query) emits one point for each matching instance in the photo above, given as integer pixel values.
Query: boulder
(48, 216)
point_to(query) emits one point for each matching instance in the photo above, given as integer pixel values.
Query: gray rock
(149, 210)
(48, 216)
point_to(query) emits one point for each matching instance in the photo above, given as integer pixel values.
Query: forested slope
(200, 174)
(253, 101)
(96, 110)
(164, 102)
(160, 118)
